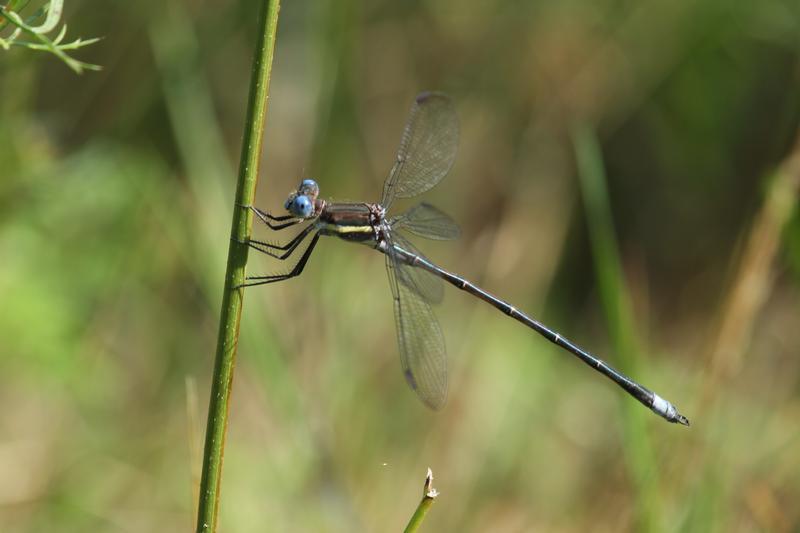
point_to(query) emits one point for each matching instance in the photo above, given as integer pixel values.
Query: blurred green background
(624, 174)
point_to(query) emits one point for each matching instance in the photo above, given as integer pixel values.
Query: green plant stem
(428, 495)
(208, 507)
(12, 5)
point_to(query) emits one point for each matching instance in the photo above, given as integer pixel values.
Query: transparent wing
(427, 221)
(422, 282)
(420, 339)
(427, 148)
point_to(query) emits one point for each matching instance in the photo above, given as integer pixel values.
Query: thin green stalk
(428, 495)
(619, 316)
(208, 508)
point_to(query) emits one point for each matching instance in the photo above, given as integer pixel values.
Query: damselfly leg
(288, 248)
(252, 281)
(268, 219)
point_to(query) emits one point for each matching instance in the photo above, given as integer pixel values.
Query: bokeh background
(625, 174)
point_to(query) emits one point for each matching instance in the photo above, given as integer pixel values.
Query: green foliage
(36, 27)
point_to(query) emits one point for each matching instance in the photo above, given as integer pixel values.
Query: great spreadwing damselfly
(427, 151)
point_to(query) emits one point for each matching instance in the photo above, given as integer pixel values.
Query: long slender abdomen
(647, 397)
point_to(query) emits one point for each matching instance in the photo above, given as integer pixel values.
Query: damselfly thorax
(354, 222)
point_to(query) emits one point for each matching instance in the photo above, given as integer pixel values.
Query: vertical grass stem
(208, 508)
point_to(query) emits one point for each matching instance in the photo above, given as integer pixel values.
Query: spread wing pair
(427, 151)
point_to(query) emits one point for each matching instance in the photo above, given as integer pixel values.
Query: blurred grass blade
(429, 494)
(619, 317)
(192, 412)
(198, 135)
(753, 279)
(752, 282)
(208, 509)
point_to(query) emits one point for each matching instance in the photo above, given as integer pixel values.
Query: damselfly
(427, 151)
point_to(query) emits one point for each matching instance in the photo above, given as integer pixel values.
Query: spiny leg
(267, 219)
(252, 281)
(288, 248)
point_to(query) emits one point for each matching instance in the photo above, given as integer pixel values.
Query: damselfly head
(302, 202)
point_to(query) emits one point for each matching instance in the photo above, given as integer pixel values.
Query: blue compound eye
(308, 188)
(301, 206)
